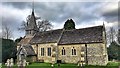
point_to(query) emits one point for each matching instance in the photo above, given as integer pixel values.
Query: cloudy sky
(85, 14)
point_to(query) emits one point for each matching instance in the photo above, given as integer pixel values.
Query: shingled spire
(31, 28)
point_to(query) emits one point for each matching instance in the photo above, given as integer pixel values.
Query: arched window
(63, 51)
(73, 51)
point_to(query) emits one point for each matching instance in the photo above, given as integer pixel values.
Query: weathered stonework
(69, 58)
(97, 54)
(45, 58)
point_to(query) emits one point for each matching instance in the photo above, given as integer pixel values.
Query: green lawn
(48, 65)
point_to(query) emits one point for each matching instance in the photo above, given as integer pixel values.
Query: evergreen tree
(114, 51)
(69, 24)
(18, 40)
(9, 49)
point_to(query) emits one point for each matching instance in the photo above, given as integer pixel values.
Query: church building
(84, 45)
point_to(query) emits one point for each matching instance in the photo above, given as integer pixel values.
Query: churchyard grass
(48, 65)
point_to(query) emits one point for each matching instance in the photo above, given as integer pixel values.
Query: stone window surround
(63, 52)
(48, 51)
(74, 49)
(42, 51)
(45, 50)
(70, 52)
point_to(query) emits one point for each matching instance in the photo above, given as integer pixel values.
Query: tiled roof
(45, 37)
(84, 35)
(27, 49)
(25, 40)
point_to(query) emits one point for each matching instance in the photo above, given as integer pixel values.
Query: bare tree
(6, 32)
(23, 26)
(119, 36)
(111, 35)
(43, 25)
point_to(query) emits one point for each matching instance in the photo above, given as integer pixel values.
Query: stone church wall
(44, 58)
(97, 54)
(68, 57)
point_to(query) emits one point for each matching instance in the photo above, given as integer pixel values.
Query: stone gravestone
(24, 63)
(11, 63)
(8, 63)
(21, 63)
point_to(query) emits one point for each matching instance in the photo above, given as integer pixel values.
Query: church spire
(32, 28)
(33, 7)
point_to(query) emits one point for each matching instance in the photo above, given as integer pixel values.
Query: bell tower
(31, 28)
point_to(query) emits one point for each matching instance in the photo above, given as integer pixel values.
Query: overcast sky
(85, 14)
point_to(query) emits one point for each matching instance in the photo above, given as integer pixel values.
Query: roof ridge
(48, 31)
(91, 27)
(72, 29)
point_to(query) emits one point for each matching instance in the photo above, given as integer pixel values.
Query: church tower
(31, 28)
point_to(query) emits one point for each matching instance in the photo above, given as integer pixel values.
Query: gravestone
(24, 63)
(8, 63)
(11, 63)
(52, 65)
(21, 63)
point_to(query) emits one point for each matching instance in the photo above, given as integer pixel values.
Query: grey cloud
(62, 11)
(59, 12)
(19, 5)
(111, 16)
(12, 22)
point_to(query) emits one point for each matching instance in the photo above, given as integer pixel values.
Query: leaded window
(49, 51)
(42, 51)
(73, 51)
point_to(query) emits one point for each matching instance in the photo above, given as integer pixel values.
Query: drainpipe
(86, 54)
(37, 52)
